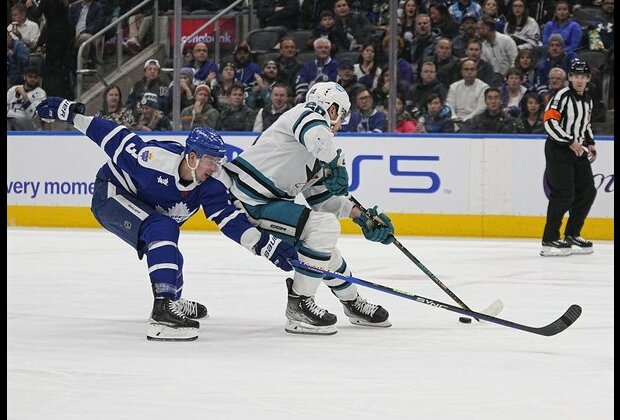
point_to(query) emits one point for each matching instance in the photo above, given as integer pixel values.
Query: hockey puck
(465, 320)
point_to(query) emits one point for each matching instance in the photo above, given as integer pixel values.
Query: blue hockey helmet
(205, 141)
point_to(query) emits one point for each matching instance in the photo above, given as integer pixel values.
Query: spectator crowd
(463, 66)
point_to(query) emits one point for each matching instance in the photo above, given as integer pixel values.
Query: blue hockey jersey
(150, 171)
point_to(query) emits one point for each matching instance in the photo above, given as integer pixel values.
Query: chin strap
(193, 170)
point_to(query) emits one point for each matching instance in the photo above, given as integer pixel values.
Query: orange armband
(552, 114)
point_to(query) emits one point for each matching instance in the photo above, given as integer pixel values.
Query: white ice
(78, 303)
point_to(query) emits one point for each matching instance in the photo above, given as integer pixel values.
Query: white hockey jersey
(285, 160)
(15, 106)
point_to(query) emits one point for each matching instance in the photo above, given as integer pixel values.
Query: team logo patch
(146, 156)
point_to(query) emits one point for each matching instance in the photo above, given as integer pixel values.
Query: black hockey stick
(419, 264)
(556, 327)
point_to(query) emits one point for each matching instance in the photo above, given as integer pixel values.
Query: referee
(569, 152)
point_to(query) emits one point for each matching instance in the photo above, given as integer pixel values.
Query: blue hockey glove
(56, 108)
(275, 250)
(373, 230)
(335, 176)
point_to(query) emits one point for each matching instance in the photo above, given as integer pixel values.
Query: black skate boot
(191, 309)
(305, 317)
(557, 248)
(169, 323)
(579, 245)
(360, 312)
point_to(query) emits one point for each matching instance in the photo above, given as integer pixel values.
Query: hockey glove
(335, 176)
(56, 108)
(275, 250)
(374, 230)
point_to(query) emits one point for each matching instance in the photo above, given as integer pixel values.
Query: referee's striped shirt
(568, 116)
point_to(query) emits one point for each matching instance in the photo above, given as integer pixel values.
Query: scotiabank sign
(190, 24)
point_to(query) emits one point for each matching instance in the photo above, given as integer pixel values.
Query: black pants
(570, 187)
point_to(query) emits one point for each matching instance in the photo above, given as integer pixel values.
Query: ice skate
(169, 323)
(305, 317)
(191, 309)
(579, 245)
(361, 312)
(557, 248)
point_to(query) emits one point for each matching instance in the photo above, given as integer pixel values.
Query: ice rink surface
(78, 303)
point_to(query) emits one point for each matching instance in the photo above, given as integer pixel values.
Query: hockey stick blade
(556, 327)
(494, 308)
(413, 259)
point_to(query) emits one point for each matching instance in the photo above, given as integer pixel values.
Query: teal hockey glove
(335, 176)
(374, 230)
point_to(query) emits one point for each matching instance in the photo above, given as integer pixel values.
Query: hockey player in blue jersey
(297, 155)
(146, 190)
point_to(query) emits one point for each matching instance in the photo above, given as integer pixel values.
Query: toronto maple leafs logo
(146, 156)
(179, 212)
(163, 181)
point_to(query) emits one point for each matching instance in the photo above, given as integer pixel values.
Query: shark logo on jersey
(163, 181)
(311, 173)
(179, 212)
(146, 156)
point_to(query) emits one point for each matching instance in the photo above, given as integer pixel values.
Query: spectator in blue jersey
(205, 70)
(366, 119)
(563, 25)
(245, 68)
(147, 190)
(462, 7)
(322, 69)
(437, 118)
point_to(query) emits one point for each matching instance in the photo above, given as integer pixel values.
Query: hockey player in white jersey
(297, 154)
(146, 190)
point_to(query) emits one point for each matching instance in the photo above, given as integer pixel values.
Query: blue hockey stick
(557, 326)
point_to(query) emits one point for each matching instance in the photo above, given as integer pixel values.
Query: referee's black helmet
(579, 67)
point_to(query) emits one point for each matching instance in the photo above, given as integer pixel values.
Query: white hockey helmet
(325, 94)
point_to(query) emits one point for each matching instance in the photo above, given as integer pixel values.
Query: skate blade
(545, 253)
(582, 251)
(363, 323)
(297, 327)
(160, 332)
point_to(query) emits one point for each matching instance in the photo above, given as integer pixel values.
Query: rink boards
(431, 185)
